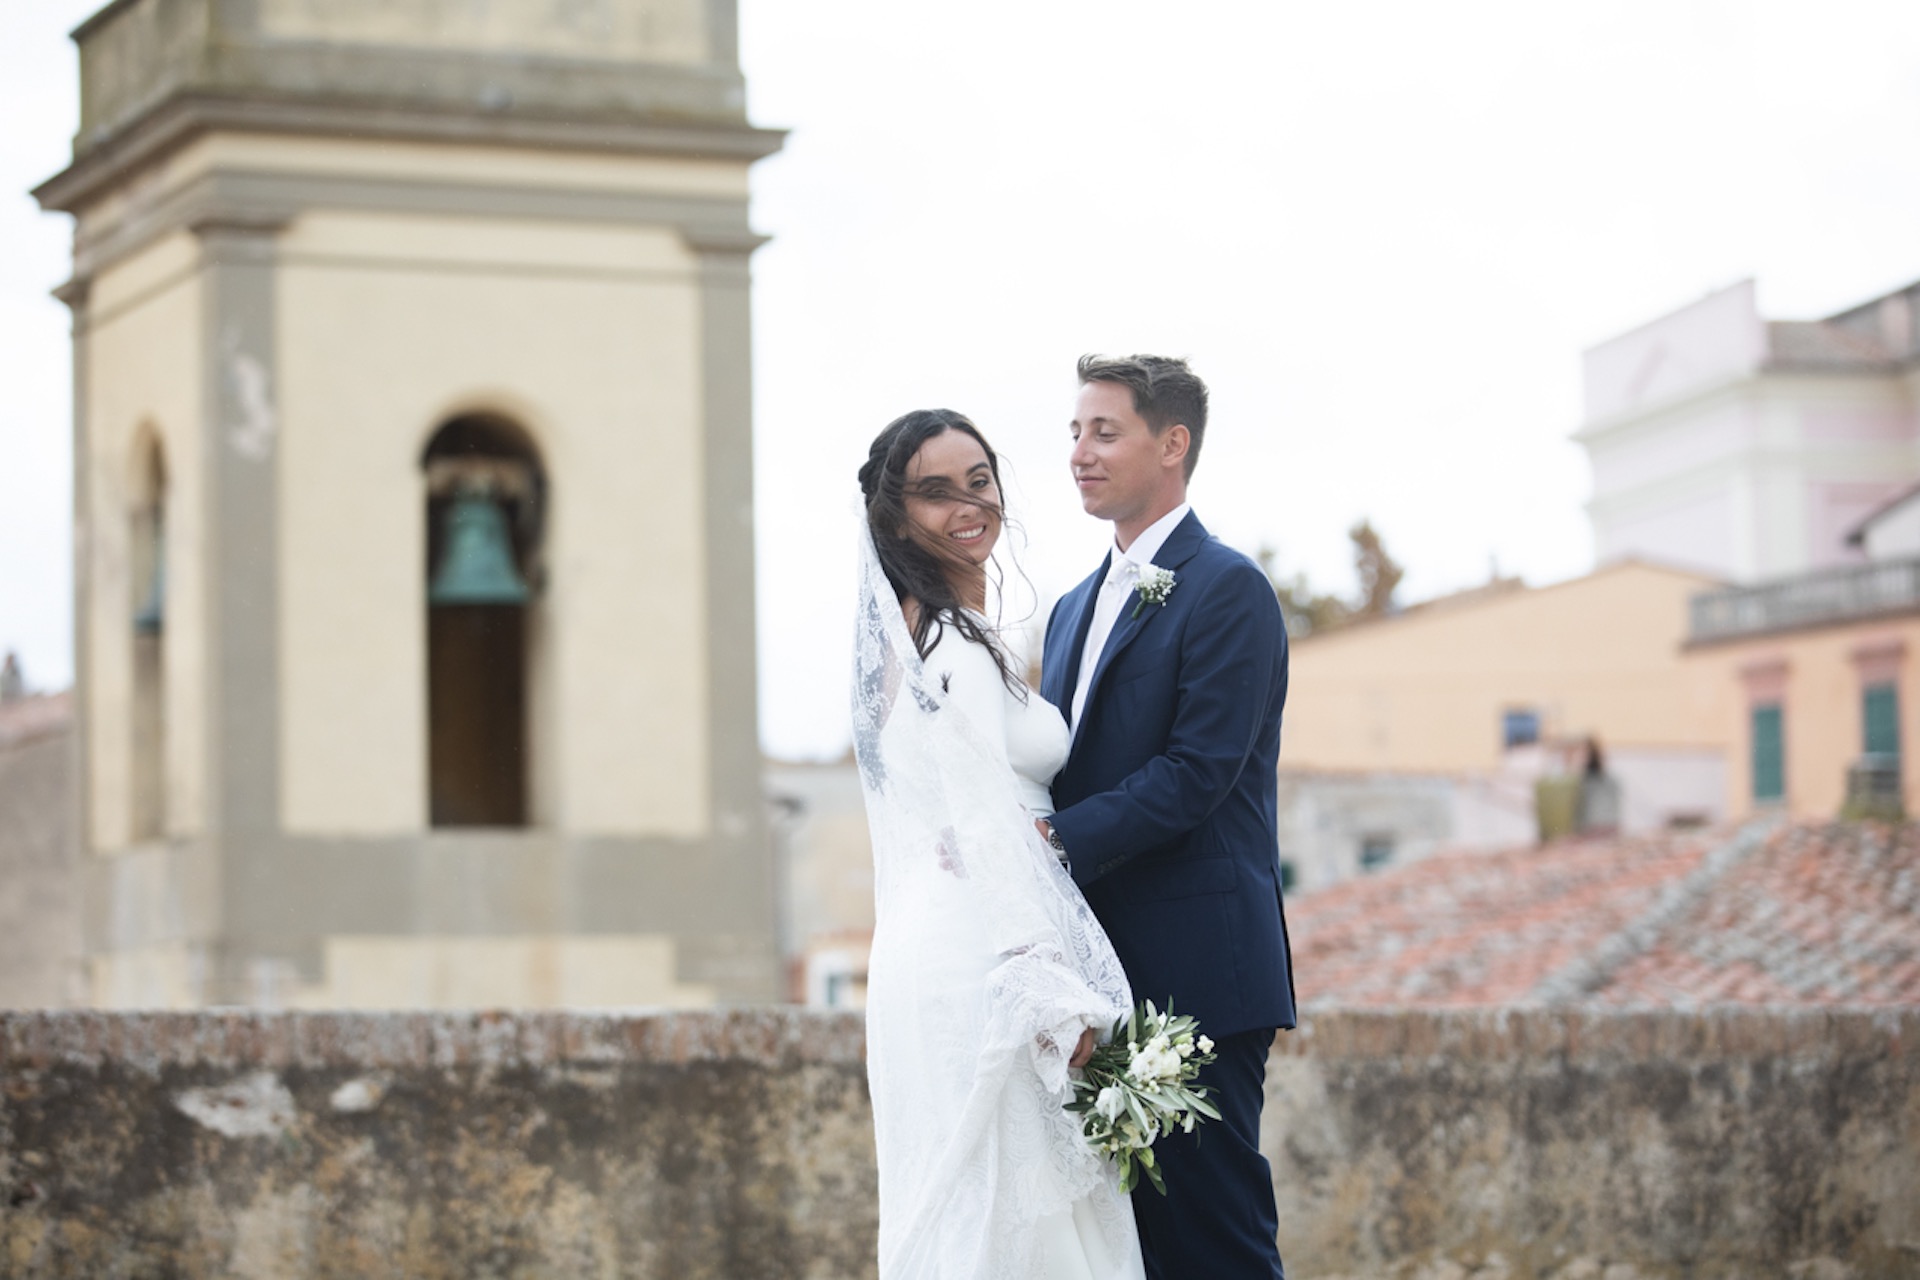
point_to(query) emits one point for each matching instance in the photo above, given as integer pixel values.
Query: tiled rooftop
(1818, 344)
(1878, 334)
(1799, 914)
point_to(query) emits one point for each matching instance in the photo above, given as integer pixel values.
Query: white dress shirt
(1123, 571)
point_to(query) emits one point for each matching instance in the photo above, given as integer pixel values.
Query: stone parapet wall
(738, 1144)
(702, 1146)
(1582, 1145)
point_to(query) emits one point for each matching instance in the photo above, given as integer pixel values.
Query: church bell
(152, 615)
(477, 566)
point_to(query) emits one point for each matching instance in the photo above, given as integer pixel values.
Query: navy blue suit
(1166, 807)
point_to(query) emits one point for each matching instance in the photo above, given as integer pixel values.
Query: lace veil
(986, 966)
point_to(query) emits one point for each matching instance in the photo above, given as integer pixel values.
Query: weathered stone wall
(1578, 1145)
(713, 1146)
(1571, 1146)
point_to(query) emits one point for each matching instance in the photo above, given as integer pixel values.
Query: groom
(1166, 802)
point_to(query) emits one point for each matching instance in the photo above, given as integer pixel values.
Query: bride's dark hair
(912, 569)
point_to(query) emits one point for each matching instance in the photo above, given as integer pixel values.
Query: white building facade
(1750, 448)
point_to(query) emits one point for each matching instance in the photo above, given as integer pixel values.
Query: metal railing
(1813, 599)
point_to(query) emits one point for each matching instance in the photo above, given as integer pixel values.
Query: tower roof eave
(185, 116)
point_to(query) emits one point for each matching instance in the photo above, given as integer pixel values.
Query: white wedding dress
(986, 967)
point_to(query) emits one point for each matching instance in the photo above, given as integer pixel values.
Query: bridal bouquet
(1138, 1086)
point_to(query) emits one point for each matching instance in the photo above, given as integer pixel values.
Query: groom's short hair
(1165, 391)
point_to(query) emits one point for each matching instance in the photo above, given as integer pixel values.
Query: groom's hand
(1083, 1051)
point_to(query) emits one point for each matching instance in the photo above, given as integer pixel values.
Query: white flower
(1154, 586)
(1138, 1088)
(1157, 1061)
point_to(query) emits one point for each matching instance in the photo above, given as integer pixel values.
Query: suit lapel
(1187, 538)
(1062, 674)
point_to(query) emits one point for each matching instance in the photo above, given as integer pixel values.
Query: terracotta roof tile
(1798, 914)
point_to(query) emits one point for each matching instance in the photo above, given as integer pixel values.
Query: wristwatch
(1055, 843)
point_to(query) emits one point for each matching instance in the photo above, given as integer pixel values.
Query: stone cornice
(720, 239)
(185, 117)
(74, 294)
(99, 20)
(265, 201)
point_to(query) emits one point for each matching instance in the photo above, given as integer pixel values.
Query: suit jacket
(1167, 802)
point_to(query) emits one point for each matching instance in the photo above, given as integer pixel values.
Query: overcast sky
(1384, 232)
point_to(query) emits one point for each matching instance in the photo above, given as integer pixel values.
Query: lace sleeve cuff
(1048, 1005)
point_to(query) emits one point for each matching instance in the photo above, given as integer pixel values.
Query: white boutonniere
(1155, 585)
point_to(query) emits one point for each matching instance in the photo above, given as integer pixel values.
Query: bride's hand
(1084, 1050)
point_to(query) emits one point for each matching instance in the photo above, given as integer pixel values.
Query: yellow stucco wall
(1821, 709)
(142, 380)
(1425, 691)
(588, 338)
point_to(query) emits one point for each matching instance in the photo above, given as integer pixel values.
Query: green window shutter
(1769, 754)
(1880, 711)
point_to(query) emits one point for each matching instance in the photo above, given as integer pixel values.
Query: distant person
(1598, 807)
(13, 685)
(1171, 660)
(989, 974)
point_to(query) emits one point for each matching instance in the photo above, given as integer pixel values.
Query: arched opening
(147, 582)
(485, 506)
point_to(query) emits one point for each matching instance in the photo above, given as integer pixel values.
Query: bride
(989, 975)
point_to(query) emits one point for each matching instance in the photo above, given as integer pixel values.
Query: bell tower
(413, 479)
